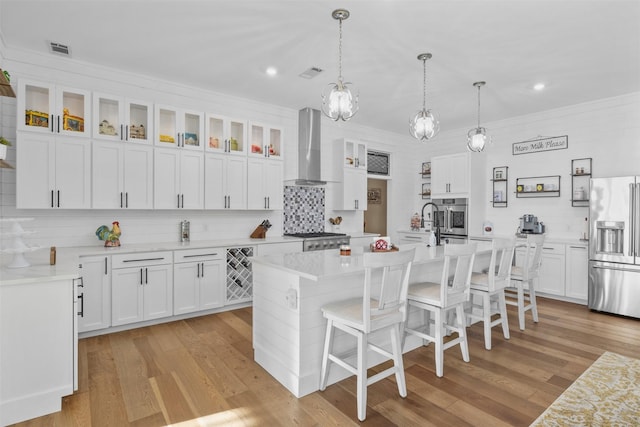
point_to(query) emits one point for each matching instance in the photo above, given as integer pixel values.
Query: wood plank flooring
(201, 372)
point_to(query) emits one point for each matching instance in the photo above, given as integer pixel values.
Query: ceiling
(582, 50)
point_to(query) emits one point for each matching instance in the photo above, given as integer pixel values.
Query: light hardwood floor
(201, 372)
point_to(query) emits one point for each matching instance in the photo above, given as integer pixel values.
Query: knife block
(259, 233)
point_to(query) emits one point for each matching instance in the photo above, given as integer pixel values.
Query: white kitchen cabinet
(350, 170)
(53, 172)
(351, 193)
(38, 341)
(54, 110)
(353, 154)
(116, 118)
(177, 128)
(264, 184)
(94, 296)
(199, 280)
(450, 176)
(266, 141)
(141, 287)
(551, 279)
(122, 176)
(225, 182)
(225, 135)
(577, 281)
(178, 179)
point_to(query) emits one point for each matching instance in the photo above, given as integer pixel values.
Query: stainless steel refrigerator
(614, 245)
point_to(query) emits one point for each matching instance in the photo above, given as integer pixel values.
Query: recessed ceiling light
(271, 71)
(538, 86)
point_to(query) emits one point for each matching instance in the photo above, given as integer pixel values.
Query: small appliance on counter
(529, 225)
(185, 231)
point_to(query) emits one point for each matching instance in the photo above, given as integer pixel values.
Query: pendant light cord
(478, 106)
(340, 54)
(424, 84)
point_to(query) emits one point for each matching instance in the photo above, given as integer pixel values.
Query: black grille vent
(59, 48)
(378, 163)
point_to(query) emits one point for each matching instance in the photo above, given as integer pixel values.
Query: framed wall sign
(541, 144)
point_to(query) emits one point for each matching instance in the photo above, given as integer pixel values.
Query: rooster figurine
(110, 237)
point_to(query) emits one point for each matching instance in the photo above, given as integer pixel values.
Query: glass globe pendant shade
(424, 125)
(477, 139)
(339, 103)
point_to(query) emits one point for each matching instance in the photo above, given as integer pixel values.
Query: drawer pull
(192, 256)
(146, 259)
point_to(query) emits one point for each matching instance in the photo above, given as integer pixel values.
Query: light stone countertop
(317, 265)
(548, 239)
(67, 258)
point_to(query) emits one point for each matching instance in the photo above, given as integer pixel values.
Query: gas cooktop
(315, 234)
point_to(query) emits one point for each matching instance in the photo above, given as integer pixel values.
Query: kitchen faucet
(435, 221)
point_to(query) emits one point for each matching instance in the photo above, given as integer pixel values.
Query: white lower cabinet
(141, 287)
(551, 277)
(94, 296)
(577, 285)
(37, 348)
(199, 280)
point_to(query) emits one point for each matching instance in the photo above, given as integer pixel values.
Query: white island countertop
(317, 265)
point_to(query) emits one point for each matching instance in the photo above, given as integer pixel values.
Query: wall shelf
(581, 170)
(538, 186)
(500, 183)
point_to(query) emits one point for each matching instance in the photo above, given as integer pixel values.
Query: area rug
(606, 394)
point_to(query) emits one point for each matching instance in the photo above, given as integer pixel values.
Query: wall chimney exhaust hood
(309, 148)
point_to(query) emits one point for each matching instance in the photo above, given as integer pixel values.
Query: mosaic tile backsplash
(303, 209)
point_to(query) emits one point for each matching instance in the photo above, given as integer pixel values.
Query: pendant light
(477, 138)
(339, 103)
(424, 125)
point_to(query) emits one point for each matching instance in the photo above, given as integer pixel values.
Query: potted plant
(3, 148)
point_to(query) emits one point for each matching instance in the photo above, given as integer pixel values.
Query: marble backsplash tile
(303, 209)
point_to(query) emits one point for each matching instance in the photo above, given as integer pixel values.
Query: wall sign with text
(541, 144)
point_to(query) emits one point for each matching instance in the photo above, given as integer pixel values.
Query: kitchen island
(288, 326)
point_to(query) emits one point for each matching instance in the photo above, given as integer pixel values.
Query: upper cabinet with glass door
(225, 135)
(120, 119)
(354, 154)
(266, 141)
(47, 108)
(179, 128)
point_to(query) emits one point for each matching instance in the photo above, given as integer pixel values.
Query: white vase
(3, 151)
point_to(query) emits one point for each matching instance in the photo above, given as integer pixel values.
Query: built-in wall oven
(452, 215)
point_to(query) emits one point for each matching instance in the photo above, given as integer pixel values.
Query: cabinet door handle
(145, 259)
(126, 199)
(178, 201)
(268, 202)
(198, 271)
(121, 199)
(126, 130)
(52, 129)
(199, 255)
(105, 266)
(146, 276)
(81, 298)
(51, 198)
(202, 270)
(182, 199)
(141, 276)
(58, 198)
(58, 124)
(121, 133)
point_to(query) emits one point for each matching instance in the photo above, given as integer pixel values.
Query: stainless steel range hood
(309, 152)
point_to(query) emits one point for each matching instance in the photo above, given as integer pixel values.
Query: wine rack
(239, 274)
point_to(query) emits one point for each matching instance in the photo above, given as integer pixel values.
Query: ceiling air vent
(59, 49)
(311, 73)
